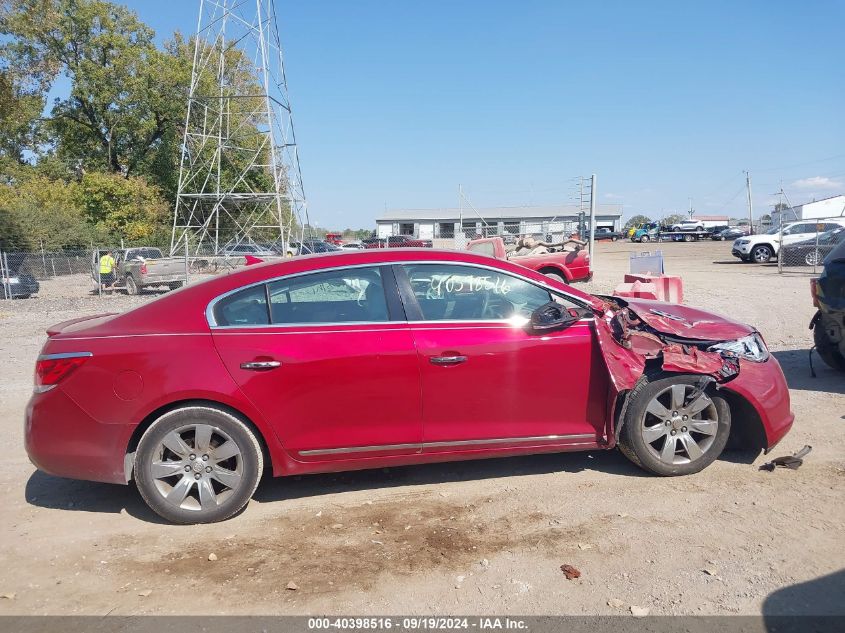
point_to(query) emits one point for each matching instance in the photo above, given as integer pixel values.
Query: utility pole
(593, 222)
(750, 204)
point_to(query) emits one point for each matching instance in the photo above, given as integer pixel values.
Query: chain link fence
(133, 271)
(806, 243)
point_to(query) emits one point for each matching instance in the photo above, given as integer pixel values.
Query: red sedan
(193, 394)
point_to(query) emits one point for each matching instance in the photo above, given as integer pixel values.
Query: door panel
(485, 376)
(329, 361)
(512, 385)
(335, 388)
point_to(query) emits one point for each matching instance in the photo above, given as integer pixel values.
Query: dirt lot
(473, 537)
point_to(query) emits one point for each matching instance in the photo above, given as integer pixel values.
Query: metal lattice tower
(239, 177)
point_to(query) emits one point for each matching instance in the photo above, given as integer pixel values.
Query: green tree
(123, 208)
(125, 93)
(637, 219)
(39, 209)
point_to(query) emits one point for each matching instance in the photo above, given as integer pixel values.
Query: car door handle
(258, 365)
(447, 360)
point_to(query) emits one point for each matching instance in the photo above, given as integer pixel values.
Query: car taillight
(814, 292)
(51, 369)
(143, 268)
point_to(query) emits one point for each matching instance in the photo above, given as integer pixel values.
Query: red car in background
(563, 266)
(191, 395)
(335, 238)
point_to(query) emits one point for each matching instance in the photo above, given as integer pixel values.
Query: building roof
(804, 204)
(497, 213)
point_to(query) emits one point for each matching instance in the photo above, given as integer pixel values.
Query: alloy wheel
(813, 258)
(197, 467)
(761, 254)
(679, 426)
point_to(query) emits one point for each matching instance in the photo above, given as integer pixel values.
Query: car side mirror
(549, 317)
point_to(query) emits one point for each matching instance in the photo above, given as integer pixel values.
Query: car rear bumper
(764, 386)
(62, 439)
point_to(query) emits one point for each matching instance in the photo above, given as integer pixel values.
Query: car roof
(183, 311)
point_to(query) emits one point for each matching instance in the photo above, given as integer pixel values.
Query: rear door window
(244, 308)
(335, 296)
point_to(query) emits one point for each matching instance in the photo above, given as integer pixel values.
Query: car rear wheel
(672, 427)
(556, 277)
(762, 254)
(827, 349)
(131, 286)
(813, 258)
(614, 238)
(198, 465)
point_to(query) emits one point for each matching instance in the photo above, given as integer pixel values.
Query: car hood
(686, 322)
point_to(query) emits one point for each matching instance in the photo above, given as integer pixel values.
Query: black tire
(827, 349)
(761, 254)
(248, 465)
(688, 238)
(131, 287)
(645, 238)
(176, 285)
(614, 238)
(633, 441)
(556, 277)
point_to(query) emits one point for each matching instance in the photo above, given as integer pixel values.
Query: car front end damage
(640, 339)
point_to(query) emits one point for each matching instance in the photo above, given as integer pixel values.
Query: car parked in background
(812, 252)
(690, 225)
(565, 266)
(466, 356)
(603, 233)
(730, 233)
(240, 250)
(763, 247)
(352, 246)
(334, 238)
(141, 267)
(309, 247)
(18, 283)
(828, 324)
(396, 241)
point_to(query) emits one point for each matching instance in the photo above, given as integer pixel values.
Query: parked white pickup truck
(142, 267)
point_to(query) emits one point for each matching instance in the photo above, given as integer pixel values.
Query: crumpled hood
(686, 322)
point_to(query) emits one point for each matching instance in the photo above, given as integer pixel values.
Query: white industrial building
(447, 223)
(833, 207)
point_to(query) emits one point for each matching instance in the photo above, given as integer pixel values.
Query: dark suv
(828, 324)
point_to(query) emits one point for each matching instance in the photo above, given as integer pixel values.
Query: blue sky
(397, 103)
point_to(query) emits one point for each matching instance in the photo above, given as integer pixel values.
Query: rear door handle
(447, 360)
(258, 365)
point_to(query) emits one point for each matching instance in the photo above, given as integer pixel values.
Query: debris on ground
(8, 596)
(212, 557)
(291, 586)
(639, 612)
(585, 546)
(788, 461)
(615, 603)
(570, 572)
(710, 571)
(145, 593)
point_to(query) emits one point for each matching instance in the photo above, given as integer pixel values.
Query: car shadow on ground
(818, 597)
(796, 367)
(47, 491)
(611, 462)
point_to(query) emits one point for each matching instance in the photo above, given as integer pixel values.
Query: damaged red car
(435, 356)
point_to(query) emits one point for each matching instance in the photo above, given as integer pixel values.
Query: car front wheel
(672, 427)
(761, 254)
(198, 465)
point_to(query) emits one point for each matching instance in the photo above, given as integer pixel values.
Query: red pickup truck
(563, 265)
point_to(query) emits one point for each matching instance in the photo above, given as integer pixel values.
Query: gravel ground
(473, 537)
